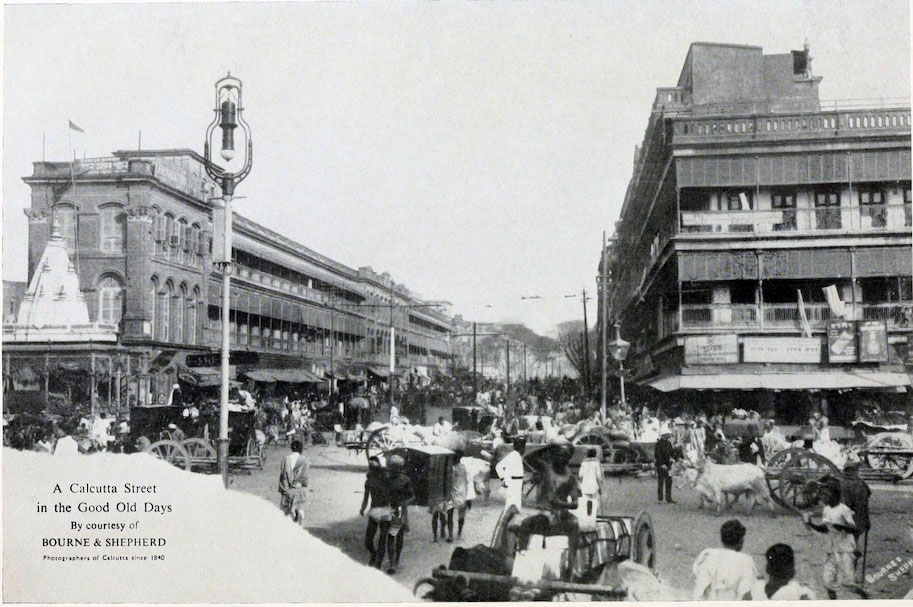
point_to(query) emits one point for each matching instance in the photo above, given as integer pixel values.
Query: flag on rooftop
(74, 127)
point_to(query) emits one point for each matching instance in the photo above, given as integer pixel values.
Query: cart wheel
(532, 478)
(262, 449)
(379, 442)
(796, 489)
(199, 448)
(643, 543)
(500, 538)
(886, 442)
(775, 465)
(592, 438)
(172, 452)
(254, 451)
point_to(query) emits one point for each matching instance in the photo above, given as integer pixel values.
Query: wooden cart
(197, 450)
(615, 539)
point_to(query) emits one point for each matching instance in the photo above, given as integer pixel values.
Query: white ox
(716, 483)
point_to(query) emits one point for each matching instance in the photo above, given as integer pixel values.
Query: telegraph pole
(525, 378)
(507, 389)
(586, 350)
(392, 342)
(475, 385)
(602, 323)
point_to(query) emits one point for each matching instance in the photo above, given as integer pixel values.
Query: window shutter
(160, 228)
(206, 243)
(186, 238)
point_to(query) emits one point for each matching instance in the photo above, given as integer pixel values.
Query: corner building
(749, 196)
(138, 228)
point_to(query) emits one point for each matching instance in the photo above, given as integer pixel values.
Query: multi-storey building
(138, 228)
(749, 197)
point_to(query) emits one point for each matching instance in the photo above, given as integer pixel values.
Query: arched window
(65, 216)
(183, 242)
(177, 313)
(153, 295)
(110, 300)
(113, 228)
(165, 309)
(196, 251)
(170, 242)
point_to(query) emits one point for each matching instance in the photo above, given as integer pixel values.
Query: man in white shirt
(438, 429)
(725, 574)
(66, 444)
(510, 471)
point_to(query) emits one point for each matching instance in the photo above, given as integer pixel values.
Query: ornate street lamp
(228, 115)
(618, 348)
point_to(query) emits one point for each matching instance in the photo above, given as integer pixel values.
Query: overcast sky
(474, 151)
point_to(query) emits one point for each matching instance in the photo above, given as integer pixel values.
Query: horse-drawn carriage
(194, 446)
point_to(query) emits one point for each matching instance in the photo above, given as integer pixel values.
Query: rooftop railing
(793, 124)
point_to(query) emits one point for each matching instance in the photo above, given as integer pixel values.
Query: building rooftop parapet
(820, 123)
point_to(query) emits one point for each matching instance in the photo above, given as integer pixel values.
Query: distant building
(749, 196)
(138, 229)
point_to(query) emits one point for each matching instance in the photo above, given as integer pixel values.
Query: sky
(476, 151)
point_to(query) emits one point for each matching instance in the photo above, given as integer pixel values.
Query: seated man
(558, 494)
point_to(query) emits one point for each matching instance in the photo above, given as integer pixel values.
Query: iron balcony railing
(778, 317)
(864, 218)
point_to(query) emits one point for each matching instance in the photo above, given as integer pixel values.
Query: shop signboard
(873, 341)
(782, 350)
(841, 341)
(712, 350)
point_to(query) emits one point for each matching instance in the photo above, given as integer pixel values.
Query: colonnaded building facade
(137, 227)
(750, 198)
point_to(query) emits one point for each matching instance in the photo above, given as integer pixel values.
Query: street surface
(682, 530)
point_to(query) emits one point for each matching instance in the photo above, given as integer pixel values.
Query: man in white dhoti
(510, 471)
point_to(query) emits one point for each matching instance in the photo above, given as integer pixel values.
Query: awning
(260, 375)
(294, 376)
(291, 376)
(824, 380)
(381, 372)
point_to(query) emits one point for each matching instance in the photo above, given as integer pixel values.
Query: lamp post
(618, 348)
(227, 116)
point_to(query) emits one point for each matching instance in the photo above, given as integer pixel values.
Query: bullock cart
(378, 440)
(618, 452)
(890, 453)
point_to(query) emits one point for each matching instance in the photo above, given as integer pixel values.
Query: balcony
(867, 218)
(777, 317)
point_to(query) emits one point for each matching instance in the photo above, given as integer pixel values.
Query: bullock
(716, 483)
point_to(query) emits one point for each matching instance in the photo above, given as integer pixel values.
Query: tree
(570, 336)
